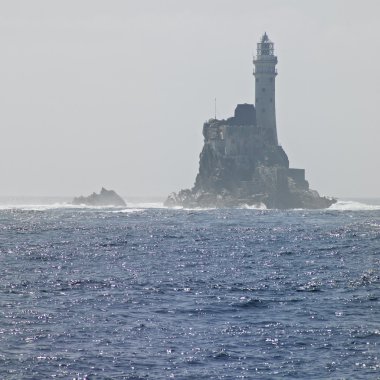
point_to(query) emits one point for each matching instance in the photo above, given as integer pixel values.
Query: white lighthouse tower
(265, 74)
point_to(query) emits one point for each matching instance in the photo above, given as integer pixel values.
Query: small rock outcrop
(241, 164)
(104, 198)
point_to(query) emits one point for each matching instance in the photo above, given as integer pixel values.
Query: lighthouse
(265, 75)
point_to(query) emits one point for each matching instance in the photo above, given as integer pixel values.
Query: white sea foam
(35, 207)
(259, 206)
(341, 205)
(353, 206)
(128, 210)
(51, 206)
(193, 209)
(145, 205)
(51, 203)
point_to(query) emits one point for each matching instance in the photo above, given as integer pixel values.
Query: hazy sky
(114, 93)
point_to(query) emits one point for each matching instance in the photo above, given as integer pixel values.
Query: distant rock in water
(104, 198)
(241, 162)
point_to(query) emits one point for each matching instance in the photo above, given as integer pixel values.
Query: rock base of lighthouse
(240, 165)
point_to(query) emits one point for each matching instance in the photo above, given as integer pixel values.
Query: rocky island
(104, 198)
(241, 162)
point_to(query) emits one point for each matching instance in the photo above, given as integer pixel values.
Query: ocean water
(152, 293)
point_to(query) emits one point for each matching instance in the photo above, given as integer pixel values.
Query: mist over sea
(146, 292)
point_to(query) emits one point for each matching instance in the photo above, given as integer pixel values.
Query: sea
(146, 292)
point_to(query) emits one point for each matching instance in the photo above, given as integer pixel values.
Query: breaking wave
(53, 206)
(145, 205)
(127, 210)
(52, 203)
(353, 206)
(259, 206)
(341, 205)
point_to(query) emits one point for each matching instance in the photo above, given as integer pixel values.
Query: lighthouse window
(271, 100)
(263, 89)
(257, 79)
(263, 110)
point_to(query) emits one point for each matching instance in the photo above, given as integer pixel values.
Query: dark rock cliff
(239, 164)
(104, 198)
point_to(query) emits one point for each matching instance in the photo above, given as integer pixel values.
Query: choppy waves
(136, 293)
